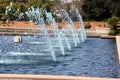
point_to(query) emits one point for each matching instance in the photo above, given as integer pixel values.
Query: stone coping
(118, 50)
(47, 77)
(118, 46)
(107, 37)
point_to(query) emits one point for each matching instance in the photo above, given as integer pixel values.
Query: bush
(113, 22)
(113, 32)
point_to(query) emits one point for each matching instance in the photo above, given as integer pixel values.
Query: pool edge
(48, 77)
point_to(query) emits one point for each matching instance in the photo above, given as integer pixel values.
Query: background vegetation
(100, 9)
(91, 10)
(23, 6)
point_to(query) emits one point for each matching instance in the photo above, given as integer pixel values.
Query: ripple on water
(94, 58)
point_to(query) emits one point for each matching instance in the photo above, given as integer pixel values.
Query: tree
(100, 9)
(114, 6)
(96, 10)
(45, 4)
(21, 6)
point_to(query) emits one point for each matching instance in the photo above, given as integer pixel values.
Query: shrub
(113, 21)
(113, 32)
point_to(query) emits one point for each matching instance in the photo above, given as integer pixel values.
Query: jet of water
(71, 26)
(82, 29)
(36, 13)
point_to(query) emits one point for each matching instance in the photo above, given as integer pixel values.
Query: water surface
(94, 58)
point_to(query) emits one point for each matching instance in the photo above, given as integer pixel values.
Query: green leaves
(113, 21)
(21, 6)
(101, 9)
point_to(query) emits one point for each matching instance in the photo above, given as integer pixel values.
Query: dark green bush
(113, 22)
(113, 32)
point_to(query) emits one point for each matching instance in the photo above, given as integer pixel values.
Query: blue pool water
(94, 58)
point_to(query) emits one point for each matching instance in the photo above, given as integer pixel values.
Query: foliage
(113, 32)
(100, 9)
(113, 22)
(97, 10)
(114, 7)
(20, 6)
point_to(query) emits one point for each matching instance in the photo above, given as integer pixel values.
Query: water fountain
(72, 62)
(40, 21)
(43, 27)
(58, 35)
(82, 29)
(49, 44)
(70, 26)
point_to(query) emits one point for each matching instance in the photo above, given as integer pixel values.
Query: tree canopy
(97, 10)
(22, 6)
(100, 9)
